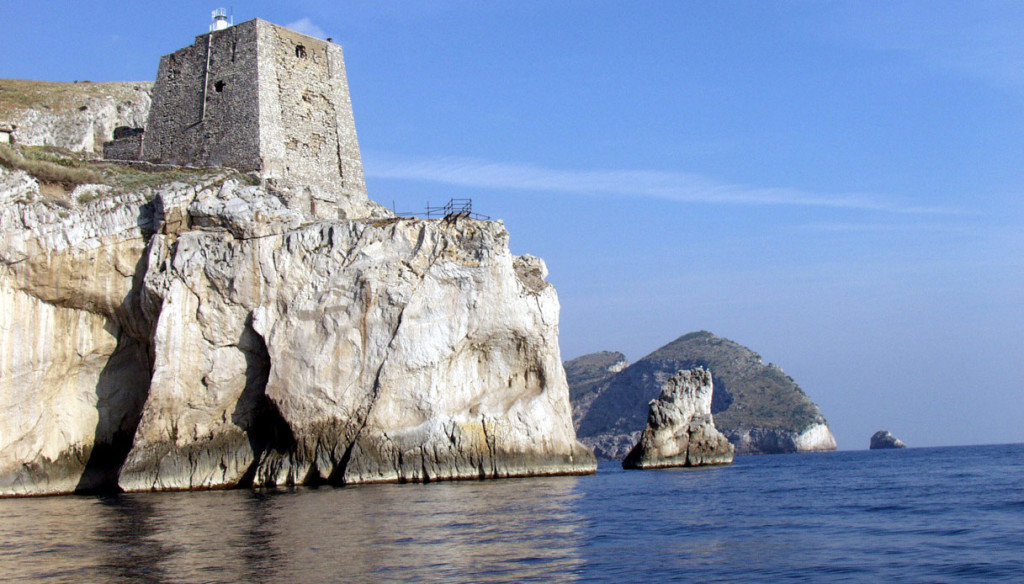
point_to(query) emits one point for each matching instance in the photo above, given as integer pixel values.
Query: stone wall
(301, 121)
(128, 148)
(205, 103)
(308, 132)
(259, 97)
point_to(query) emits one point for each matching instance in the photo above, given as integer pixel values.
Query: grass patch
(131, 178)
(59, 171)
(54, 96)
(128, 179)
(49, 169)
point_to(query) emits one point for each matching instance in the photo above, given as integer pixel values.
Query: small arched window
(218, 86)
(300, 51)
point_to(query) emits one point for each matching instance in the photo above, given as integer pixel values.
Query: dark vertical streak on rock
(337, 476)
(122, 388)
(256, 413)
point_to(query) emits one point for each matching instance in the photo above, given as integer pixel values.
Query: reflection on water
(523, 530)
(918, 515)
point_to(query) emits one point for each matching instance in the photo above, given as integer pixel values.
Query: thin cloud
(878, 228)
(681, 187)
(980, 41)
(306, 27)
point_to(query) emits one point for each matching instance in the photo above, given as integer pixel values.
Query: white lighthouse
(220, 20)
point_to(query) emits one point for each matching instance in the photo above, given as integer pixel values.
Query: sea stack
(680, 429)
(883, 439)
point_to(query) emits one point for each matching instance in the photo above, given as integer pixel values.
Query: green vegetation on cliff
(56, 96)
(751, 394)
(59, 171)
(752, 401)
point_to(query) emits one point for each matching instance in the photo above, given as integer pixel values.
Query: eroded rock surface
(680, 428)
(883, 439)
(74, 116)
(208, 335)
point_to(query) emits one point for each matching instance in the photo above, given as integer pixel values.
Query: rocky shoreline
(207, 336)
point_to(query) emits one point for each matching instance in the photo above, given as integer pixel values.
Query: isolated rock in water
(680, 429)
(882, 439)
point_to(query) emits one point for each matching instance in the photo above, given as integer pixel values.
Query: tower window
(218, 86)
(300, 51)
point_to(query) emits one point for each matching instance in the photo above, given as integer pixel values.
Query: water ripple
(920, 515)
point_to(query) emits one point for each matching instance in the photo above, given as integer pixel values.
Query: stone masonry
(263, 98)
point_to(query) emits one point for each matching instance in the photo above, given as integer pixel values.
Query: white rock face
(67, 327)
(816, 438)
(213, 337)
(84, 125)
(680, 428)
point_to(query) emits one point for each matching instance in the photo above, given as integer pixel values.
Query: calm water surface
(916, 515)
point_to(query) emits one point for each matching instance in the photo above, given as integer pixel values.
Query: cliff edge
(226, 307)
(202, 334)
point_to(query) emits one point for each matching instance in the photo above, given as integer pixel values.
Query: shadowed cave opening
(255, 413)
(123, 384)
(122, 390)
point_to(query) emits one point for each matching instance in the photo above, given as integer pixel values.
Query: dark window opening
(172, 68)
(218, 86)
(300, 51)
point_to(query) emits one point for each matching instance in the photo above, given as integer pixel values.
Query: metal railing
(450, 212)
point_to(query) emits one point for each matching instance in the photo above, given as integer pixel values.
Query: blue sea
(916, 515)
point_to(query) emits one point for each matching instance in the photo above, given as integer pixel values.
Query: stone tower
(259, 97)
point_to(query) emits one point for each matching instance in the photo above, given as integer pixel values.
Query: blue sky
(836, 185)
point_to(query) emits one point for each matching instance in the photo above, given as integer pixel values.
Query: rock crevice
(209, 336)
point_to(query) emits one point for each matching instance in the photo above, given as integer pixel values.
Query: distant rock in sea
(883, 439)
(759, 408)
(680, 428)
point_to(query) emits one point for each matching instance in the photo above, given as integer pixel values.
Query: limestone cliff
(76, 116)
(758, 407)
(202, 334)
(680, 429)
